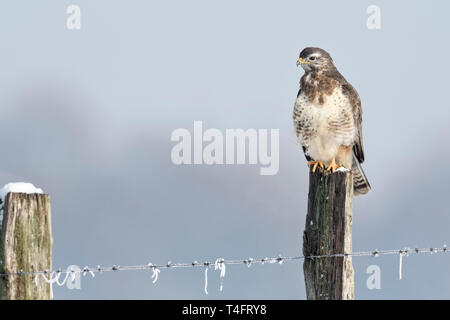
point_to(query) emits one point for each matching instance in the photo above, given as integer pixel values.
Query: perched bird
(327, 118)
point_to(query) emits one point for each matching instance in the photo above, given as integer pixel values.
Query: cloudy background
(87, 116)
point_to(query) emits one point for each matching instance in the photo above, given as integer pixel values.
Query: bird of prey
(327, 118)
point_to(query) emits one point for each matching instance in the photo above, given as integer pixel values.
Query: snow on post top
(18, 187)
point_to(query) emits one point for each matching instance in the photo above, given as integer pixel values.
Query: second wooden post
(328, 230)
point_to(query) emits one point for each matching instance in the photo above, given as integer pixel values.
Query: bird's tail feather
(360, 183)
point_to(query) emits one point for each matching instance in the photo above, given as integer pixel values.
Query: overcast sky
(87, 116)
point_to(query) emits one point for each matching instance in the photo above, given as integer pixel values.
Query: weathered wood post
(25, 244)
(328, 230)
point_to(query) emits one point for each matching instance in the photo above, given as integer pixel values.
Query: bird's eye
(312, 58)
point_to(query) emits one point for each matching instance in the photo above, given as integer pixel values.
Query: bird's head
(315, 59)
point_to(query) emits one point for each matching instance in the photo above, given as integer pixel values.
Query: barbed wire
(53, 276)
(249, 261)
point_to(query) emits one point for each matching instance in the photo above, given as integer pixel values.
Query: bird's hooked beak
(301, 61)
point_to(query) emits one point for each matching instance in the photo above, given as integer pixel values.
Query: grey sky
(87, 116)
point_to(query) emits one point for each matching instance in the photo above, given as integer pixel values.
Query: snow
(206, 280)
(86, 270)
(341, 169)
(403, 253)
(155, 272)
(17, 187)
(221, 266)
(400, 267)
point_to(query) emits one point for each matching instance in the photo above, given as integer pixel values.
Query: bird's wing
(308, 158)
(355, 101)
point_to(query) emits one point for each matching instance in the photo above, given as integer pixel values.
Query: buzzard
(327, 118)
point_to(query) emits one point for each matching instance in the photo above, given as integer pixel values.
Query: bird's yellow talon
(315, 164)
(333, 166)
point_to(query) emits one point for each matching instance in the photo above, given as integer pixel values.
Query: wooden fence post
(328, 230)
(25, 244)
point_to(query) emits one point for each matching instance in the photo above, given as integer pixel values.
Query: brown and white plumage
(328, 116)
